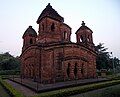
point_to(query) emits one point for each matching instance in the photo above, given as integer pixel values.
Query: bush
(114, 77)
(10, 89)
(109, 73)
(4, 76)
(9, 72)
(99, 73)
(77, 90)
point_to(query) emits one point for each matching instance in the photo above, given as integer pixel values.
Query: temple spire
(51, 13)
(48, 5)
(83, 24)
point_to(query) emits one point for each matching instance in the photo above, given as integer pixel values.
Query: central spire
(51, 13)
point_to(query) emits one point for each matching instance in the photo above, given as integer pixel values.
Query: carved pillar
(79, 75)
(65, 66)
(72, 71)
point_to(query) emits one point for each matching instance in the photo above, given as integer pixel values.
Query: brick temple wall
(59, 63)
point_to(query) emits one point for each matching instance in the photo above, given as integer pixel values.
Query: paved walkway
(26, 91)
(95, 93)
(48, 87)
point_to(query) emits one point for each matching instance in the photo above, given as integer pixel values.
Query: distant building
(50, 56)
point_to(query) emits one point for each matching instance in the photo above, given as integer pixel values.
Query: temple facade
(49, 56)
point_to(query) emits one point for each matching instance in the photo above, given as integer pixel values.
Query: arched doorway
(82, 69)
(68, 70)
(75, 70)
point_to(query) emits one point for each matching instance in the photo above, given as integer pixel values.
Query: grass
(113, 77)
(77, 90)
(3, 93)
(81, 89)
(9, 72)
(73, 90)
(113, 91)
(12, 91)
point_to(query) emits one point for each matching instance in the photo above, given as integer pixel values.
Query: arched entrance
(75, 70)
(68, 70)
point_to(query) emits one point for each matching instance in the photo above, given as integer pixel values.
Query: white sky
(102, 16)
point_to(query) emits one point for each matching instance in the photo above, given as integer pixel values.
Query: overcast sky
(102, 16)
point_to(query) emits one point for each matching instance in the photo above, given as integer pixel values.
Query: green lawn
(79, 89)
(112, 91)
(3, 93)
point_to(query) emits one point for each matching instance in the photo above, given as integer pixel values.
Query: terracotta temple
(49, 56)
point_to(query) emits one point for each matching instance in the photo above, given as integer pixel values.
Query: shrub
(5, 76)
(98, 73)
(113, 77)
(9, 72)
(109, 73)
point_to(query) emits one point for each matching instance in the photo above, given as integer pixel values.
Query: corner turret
(84, 36)
(29, 37)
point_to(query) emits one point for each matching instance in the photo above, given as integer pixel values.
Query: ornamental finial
(83, 24)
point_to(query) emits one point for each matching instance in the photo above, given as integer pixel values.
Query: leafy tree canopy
(104, 60)
(9, 62)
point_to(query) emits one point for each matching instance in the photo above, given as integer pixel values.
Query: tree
(103, 57)
(8, 62)
(116, 62)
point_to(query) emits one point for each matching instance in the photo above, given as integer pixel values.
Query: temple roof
(83, 27)
(30, 31)
(50, 12)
